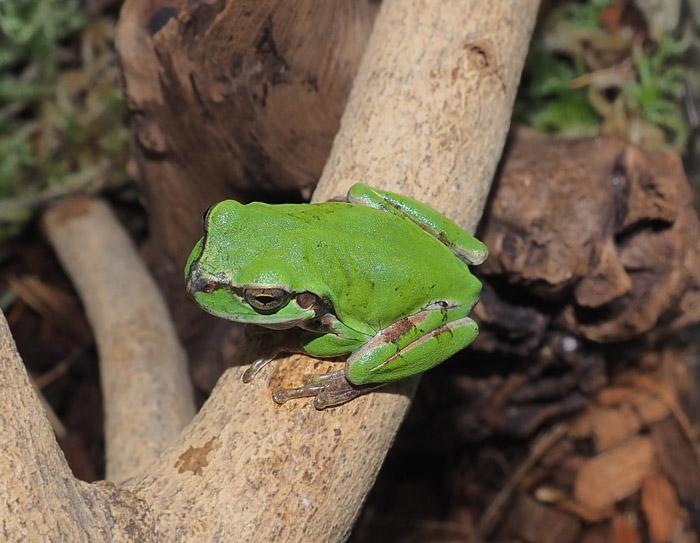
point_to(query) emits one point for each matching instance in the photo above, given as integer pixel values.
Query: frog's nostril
(197, 283)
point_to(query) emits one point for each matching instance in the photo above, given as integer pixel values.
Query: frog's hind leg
(407, 347)
(412, 345)
(461, 243)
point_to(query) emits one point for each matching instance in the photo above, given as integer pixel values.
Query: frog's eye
(205, 216)
(266, 299)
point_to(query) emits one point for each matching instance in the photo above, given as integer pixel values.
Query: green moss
(584, 78)
(61, 112)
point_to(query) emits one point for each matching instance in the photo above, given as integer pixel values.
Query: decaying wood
(593, 269)
(603, 231)
(147, 392)
(577, 488)
(594, 259)
(431, 102)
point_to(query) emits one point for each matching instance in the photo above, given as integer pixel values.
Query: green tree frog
(378, 276)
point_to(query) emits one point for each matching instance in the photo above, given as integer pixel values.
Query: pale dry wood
(40, 500)
(428, 117)
(148, 396)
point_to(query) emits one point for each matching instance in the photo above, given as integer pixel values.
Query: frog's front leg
(408, 347)
(324, 337)
(267, 345)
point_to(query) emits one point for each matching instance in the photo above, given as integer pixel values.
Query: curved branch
(427, 116)
(40, 500)
(147, 393)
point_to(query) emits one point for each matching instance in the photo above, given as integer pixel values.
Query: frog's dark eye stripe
(205, 216)
(266, 300)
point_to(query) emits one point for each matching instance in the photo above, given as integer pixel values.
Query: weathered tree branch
(428, 116)
(147, 392)
(40, 500)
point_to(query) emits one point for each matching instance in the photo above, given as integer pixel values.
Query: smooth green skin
(389, 275)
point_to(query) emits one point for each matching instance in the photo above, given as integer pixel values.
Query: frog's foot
(329, 388)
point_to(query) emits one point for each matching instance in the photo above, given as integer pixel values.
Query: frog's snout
(197, 283)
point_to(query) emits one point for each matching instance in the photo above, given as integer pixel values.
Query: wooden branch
(431, 104)
(428, 116)
(147, 393)
(40, 500)
(31, 459)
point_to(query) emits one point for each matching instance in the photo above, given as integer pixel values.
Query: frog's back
(361, 259)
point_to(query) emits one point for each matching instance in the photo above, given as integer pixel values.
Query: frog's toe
(329, 389)
(282, 395)
(318, 378)
(337, 397)
(255, 367)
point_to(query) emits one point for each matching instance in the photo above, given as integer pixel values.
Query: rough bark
(427, 116)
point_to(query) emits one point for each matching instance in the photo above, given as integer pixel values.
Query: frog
(376, 277)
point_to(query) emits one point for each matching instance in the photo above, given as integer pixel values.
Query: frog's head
(228, 282)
